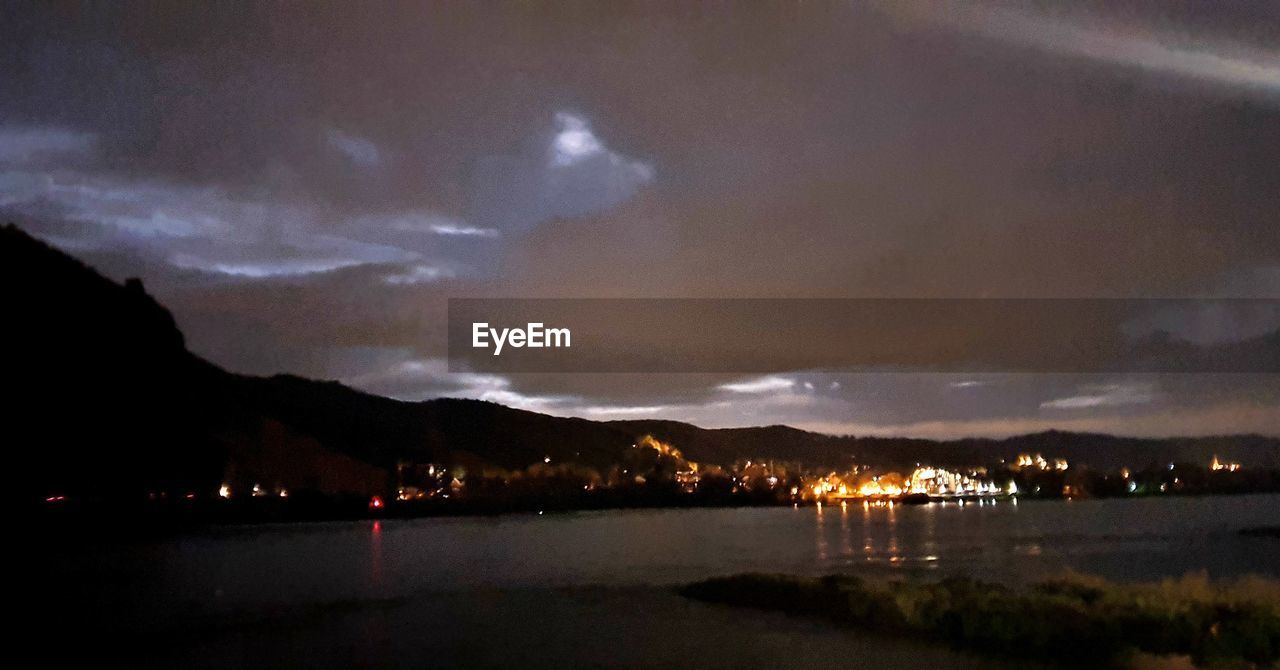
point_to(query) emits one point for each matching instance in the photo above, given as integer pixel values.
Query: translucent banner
(926, 335)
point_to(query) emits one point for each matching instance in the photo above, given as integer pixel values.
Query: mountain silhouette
(104, 401)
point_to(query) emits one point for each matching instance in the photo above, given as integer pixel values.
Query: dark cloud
(306, 187)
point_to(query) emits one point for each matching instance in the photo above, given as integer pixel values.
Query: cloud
(453, 230)
(760, 385)
(1208, 323)
(573, 142)
(210, 229)
(585, 176)
(138, 208)
(17, 187)
(608, 411)
(296, 252)
(799, 184)
(422, 222)
(1224, 63)
(1261, 281)
(22, 146)
(570, 172)
(421, 379)
(418, 274)
(280, 268)
(1112, 395)
(356, 149)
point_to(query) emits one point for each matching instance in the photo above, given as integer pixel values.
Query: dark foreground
(1074, 620)
(638, 627)
(595, 589)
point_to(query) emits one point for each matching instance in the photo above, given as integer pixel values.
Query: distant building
(1218, 465)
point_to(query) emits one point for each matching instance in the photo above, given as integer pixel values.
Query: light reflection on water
(879, 532)
(1126, 539)
(375, 552)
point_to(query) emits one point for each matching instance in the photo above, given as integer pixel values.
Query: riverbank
(1073, 620)
(68, 519)
(575, 588)
(596, 627)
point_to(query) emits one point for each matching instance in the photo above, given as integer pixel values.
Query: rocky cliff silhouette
(102, 400)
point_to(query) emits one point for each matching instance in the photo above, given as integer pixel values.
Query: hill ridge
(112, 403)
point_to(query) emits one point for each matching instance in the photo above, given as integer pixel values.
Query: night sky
(305, 186)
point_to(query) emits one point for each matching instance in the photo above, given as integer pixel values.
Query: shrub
(1073, 620)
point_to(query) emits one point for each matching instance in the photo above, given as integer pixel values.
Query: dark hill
(383, 431)
(101, 393)
(1099, 450)
(102, 399)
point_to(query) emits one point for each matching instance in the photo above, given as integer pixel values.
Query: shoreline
(171, 518)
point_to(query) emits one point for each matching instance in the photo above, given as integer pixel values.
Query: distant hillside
(104, 400)
(383, 431)
(1104, 451)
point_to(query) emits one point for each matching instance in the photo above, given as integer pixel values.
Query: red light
(54, 499)
(375, 503)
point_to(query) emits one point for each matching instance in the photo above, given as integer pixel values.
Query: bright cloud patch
(574, 173)
(761, 385)
(1110, 395)
(307, 254)
(605, 411)
(418, 379)
(1216, 61)
(453, 230)
(417, 274)
(260, 270)
(574, 142)
(426, 223)
(200, 228)
(358, 150)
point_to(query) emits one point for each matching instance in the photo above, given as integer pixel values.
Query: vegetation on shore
(1073, 620)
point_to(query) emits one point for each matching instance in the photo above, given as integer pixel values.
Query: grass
(1074, 620)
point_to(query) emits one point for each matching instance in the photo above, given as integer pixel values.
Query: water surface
(376, 585)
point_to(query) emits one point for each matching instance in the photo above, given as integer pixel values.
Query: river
(594, 588)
